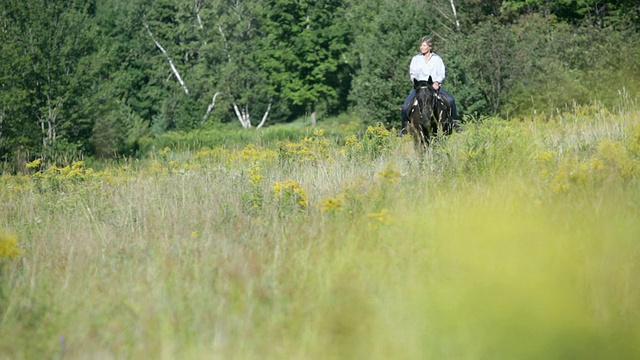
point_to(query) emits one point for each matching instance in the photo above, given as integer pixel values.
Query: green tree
(242, 82)
(382, 51)
(490, 62)
(49, 41)
(17, 130)
(597, 12)
(538, 65)
(305, 48)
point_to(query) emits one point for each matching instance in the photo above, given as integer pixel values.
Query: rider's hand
(436, 85)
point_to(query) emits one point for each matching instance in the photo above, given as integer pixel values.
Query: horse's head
(419, 84)
(425, 95)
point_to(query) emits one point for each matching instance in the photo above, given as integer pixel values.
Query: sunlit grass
(510, 240)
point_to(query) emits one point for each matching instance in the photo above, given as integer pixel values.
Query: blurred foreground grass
(511, 240)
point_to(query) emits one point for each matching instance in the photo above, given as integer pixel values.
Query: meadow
(510, 240)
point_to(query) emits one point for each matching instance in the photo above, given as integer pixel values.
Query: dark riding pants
(404, 113)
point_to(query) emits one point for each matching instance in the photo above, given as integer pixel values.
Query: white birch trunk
(455, 14)
(44, 138)
(226, 44)
(198, 6)
(173, 67)
(243, 116)
(264, 117)
(48, 121)
(211, 106)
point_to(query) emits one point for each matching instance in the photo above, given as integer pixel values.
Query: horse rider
(423, 65)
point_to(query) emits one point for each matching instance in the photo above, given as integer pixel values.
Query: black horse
(429, 113)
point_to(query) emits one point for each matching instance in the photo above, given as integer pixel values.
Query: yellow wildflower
(254, 175)
(8, 246)
(34, 164)
(543, 156)
(390, 175)
(351, 140)
(332, 204)
(165, 151)
(290, 190)
(382, 216)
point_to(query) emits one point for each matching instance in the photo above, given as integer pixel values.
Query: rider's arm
(439, 70)
(414, 68)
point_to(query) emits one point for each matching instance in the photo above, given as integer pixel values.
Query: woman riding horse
(424, 65)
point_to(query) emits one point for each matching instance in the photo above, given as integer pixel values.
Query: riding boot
(455, 125)
(451, 126)
(404, 119)
(403, 130)
(404, 113)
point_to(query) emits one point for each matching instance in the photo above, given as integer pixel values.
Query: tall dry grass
(509, 240)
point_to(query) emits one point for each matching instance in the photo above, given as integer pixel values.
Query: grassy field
(510, 240)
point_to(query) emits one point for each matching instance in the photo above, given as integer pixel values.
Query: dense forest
(94, 77)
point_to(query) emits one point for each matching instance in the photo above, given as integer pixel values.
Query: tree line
(95, 76)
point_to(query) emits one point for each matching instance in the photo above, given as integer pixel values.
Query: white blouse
(421, 68)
